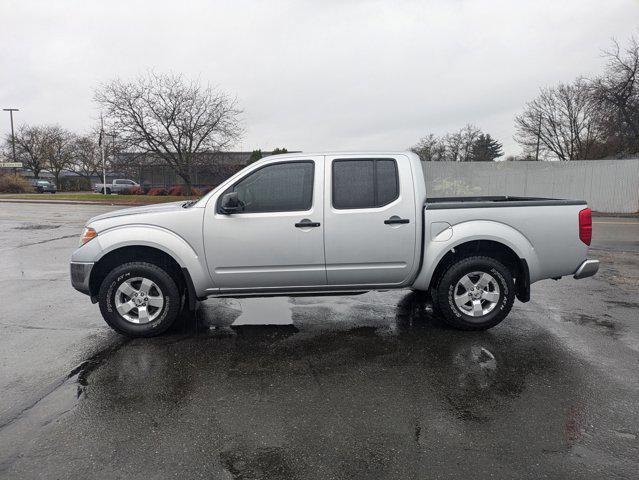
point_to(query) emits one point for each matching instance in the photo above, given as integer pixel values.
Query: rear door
(369, 212)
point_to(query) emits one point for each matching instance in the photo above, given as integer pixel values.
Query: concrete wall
(610, 186)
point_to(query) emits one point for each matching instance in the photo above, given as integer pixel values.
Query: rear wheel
(139, 299)
(475, 293)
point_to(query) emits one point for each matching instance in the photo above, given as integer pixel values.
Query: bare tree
(616, 94)
(430, 149)
(459, 144)
(31, 148)
(86, 157)
(465, 145)
(168, 117)
(560, 122)
(468, 136)
(60, 150)
(453, 142)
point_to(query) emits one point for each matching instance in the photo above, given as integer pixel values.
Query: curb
(74, 202)
(619, 215)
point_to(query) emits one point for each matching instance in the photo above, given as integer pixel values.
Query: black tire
(444, 295)
(108, 191)
(167, 313)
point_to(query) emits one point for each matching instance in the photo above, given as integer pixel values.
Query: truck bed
(546, 232)
(442, 203)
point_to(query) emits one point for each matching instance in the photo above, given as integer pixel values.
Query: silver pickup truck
(116, 186)
(339, 223)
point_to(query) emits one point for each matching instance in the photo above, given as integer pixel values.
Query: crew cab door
(369, 214)
(277, 241)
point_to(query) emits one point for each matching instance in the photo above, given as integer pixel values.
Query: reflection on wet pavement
(364, 386)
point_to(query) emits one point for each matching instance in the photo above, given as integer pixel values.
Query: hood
(145, 209)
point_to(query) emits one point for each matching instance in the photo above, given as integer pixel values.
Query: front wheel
(139, 299)
(475, 293)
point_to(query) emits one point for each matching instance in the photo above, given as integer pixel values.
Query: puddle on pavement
(265, 462)
(33, 226)
(48, 406)
(622, 304)
(604, 322)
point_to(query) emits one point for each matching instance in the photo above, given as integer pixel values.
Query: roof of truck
(342, 152)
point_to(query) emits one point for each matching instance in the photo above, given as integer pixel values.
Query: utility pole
(101, 145)
(13, 137)
(538, 140)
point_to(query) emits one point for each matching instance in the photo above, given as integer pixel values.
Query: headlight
(87, 234)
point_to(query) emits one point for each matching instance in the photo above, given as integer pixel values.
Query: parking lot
(368, 386)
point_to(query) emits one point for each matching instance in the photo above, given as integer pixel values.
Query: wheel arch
(154, 245)
(137, 253)
(489, 248)
(487, 238)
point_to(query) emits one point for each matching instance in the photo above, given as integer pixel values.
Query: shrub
(14, 184)
(157, 192)
(179, 190)
(132, 191)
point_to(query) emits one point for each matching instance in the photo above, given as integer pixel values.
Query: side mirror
(231, 204)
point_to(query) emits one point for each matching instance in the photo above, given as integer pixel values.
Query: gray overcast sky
(312, 75)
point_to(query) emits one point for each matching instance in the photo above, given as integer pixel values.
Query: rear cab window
(364, 182)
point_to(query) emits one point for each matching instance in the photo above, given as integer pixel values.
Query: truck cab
(315, 218)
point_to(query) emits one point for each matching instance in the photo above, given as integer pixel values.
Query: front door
(277, 241)
(369, 211)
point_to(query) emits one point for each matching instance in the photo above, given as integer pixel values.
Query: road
(368, 386)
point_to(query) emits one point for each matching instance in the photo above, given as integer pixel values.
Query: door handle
(306, 223)
(396, 220)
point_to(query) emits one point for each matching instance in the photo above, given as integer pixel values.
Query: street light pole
(13, 137)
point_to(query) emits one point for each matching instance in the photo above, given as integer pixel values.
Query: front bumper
(587, 269)
(80, 275)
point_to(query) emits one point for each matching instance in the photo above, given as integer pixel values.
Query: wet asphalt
(369, 386)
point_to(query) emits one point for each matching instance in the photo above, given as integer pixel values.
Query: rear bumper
(80, 276)
(587, 269)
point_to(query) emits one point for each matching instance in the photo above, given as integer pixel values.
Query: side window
(281, 187)
(364, 183)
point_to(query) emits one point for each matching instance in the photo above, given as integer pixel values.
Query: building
(210, 169)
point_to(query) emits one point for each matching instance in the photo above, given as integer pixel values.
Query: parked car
(43, 186)
(334, 223)
(117, 186)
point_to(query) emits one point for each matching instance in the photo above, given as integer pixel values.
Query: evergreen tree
(255, 156)
(486, 149)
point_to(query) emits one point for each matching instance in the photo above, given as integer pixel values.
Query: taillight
(585, 226)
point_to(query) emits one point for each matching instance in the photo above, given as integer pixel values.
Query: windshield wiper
(189, 203)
